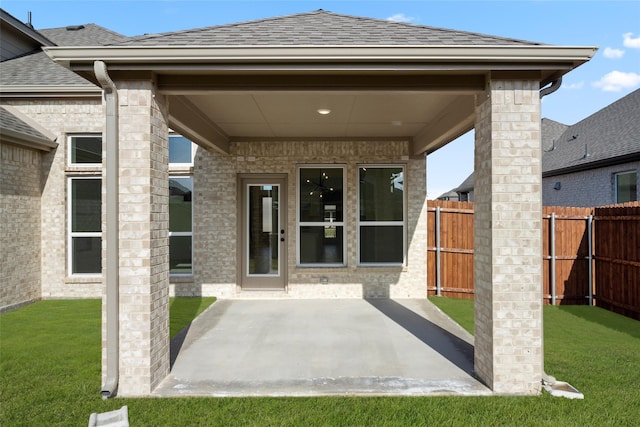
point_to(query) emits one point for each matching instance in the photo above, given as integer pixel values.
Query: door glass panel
(263, 232)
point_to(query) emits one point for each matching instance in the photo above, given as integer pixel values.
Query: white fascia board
(216, 54)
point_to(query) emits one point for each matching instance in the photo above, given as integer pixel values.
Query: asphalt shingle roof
(613, 132)
(37, 69)
(82, 35)
(9, 121)
(320, 28)
(607, 134)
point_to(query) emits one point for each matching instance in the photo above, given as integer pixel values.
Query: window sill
(180, 278)
(87, 278)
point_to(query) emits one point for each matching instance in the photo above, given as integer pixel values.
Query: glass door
(263, 233)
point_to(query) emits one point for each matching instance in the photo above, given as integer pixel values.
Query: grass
(50, 375)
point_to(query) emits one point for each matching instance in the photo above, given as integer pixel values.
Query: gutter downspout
(549, 383)
(555, 85)
(109, 389)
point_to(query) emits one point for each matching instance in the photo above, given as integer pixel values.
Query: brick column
(144, 241)
(508, 238)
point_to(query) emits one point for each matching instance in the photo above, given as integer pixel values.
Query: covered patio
(320, 347)
(255, 97)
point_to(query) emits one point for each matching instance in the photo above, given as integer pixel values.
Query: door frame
(243, 282)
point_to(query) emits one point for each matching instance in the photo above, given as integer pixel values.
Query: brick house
(306, 178)
(594, 162)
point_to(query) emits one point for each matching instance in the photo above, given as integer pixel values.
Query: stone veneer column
(144, 241)
(508, 238)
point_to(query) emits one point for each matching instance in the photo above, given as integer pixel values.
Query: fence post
(438, 285)
(590, 256)
(552, 266)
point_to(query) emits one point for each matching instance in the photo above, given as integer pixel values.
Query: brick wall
(508, 238)
(215, 216)
(19, 225)
(62, 118)
(594, 187)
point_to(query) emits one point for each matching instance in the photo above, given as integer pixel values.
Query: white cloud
(401, 17)
(615, 81)
(629, 41)
(577, 85)
(612, 53)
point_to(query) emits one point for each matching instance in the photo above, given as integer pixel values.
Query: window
(321, 216)
(180, 225)
(626, 187)
(84, 204)
(85, 225)
(85, 150)
(381, 220)
(180, 150)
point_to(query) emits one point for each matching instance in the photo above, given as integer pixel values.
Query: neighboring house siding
(62, 118)
(595, 187)
(14, 45)
(19, 225)
(215, 218)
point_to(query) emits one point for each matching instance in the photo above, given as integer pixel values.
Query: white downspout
(110, 388)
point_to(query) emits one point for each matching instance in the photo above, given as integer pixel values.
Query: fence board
(616, 247)
(618, 259)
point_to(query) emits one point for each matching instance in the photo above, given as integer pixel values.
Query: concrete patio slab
(322, 347)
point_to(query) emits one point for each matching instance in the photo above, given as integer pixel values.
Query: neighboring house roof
(448, 195)
(83, 35)
(35, 71)
(466, 185)
(321, 28)
(550, 132)
(609, 136)
(19, 129)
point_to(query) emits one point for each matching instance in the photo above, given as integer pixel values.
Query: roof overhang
(39, 139)
(447, 78)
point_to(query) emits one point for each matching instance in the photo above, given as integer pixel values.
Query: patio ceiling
(222, 94)
(428, 118)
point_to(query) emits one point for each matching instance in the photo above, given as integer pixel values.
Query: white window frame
(615, 183)
(71, 234)
(184, 233)
(70, 138)
(402, 223)
(342, 223)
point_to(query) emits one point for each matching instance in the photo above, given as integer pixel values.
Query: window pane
(180, 255)
(321, 245)
(86, 149)
(87, 255)
(264, 226)
(179, 149)
(626, 187)
(86, 205)
(180, 195)
(381, 244)
(381, 194)
(321, 195)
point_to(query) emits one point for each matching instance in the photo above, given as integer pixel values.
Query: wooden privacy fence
(590, 255)
(617, 242)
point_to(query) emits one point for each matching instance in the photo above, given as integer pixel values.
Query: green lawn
(50, 375)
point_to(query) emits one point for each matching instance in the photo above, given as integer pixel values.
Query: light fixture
(324, 111)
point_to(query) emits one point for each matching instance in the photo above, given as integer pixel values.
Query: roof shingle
(320, 28)
(607, 134)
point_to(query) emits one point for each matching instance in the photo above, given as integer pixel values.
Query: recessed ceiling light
(324, 111)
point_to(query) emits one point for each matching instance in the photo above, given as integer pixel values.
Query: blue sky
(613, 26)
